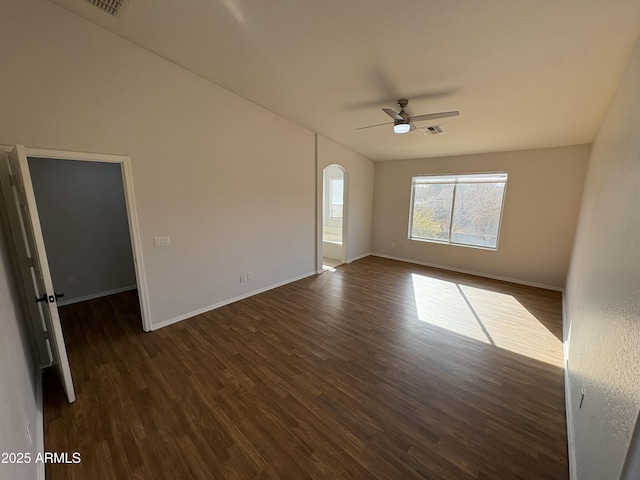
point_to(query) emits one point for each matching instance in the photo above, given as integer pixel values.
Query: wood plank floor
(377, 370)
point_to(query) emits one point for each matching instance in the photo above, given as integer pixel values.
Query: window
(457, 209)
(336, 188)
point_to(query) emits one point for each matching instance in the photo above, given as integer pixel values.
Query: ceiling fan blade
(376, 125)
(433, 116)
(412, 127)
(392, 114)
(391, 97)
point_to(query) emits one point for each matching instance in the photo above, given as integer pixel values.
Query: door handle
(55, 296)
(42, 298)
(49, 299)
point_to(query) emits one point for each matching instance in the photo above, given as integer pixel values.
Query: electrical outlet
(249, 275)
(73, 281)
(242, 278)
(161, 241)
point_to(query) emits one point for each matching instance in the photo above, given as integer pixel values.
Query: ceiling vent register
(112, 7)
(434, 130)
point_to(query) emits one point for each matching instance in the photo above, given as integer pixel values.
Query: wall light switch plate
(161, 241)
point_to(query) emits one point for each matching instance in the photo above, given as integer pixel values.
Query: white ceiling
(523, 73)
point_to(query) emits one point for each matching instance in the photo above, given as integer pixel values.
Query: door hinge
(12, 180)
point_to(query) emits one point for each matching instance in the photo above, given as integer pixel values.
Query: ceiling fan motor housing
(402, 103)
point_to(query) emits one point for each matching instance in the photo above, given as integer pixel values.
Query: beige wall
(18, 376)
(231, 183)
(359, 195)
(236, 186)
(603, 295)
(538, 223)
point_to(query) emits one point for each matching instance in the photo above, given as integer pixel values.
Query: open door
(34, 267)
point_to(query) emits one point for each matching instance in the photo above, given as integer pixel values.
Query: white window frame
(455, 180)
(330, 198)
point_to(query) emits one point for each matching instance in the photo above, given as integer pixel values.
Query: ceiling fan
(403, 122)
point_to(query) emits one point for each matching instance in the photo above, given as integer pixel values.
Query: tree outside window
(458, 209)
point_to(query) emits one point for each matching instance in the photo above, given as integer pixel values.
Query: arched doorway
(334, 182)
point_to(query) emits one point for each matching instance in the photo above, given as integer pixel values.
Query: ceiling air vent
(112, 7)
(434, 130)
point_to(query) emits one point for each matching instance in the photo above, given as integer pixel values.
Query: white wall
(603, 293)
(359, 196)
(231, 183)
(538, 223)
(83, 215)
(18, 376)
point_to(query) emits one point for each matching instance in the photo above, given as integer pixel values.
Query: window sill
(443, 242)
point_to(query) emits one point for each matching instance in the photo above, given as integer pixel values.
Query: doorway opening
(86, 212)
(26, 215)
(334, 188)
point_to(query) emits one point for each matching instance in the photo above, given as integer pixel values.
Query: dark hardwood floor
(377, 370)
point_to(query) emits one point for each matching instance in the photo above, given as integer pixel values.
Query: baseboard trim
(568, 404)
(200, 311)
(571, 446)
(84, 298)
(40, 423)
(359, 257)
(471, 272)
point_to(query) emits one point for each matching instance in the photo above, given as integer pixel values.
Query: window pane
(431, 211)
(336, 191)
(476, 214)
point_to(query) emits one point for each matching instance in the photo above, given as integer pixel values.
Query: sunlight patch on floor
(330, 264)
(491, 317)
(440, 303)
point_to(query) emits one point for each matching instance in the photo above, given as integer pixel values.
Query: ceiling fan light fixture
(401, 127)
(403, 122)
